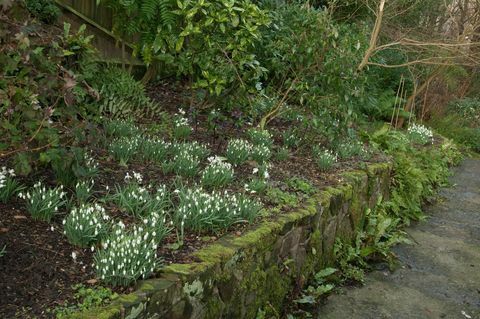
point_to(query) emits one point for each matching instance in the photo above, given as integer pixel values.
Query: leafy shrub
(126, 256)
(45, 10)
(200, 211)
(36, 108)
(85, 225)
(238, 151)
(458, 129)
(43, 203)
(211, 41)
(468, 109)
(9, 186)
(217, 174)
(420, 134)
(324, 158)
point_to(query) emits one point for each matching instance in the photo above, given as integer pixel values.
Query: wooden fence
(98, 19)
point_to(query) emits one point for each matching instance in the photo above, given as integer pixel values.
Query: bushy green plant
(126, 255)
(290, 139)
(199, 211)
(261, 153)
(121, 128)
(45, 10)
(124, 149)
(36, 109)
(121, 96)
(43, 203)
(137, 200)
(260, 137)
(468, 109)
(86, 225)
(181, 127)
(155, 150)
(9, 186)
(183, 164)
(194, 148)
(282, 154)
(324, 158)
(83, 190)
(217, 174)
(210, 41)
(349, 149)
(256, 186)
(85, 298)
(420, 134)
(238, 151)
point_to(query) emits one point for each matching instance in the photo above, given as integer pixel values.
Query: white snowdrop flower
(74, 255)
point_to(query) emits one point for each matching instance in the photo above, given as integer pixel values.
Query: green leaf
(179, 44)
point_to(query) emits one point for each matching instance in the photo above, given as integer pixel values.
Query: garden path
(439, 275)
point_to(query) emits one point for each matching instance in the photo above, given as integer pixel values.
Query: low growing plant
(181, 127)
(43, 203)
(217, 174)
(183, 164)
(261, 153)
(420, 134)
(199, 211)
(260, 137)
(137, 200)
(86, 225)
(9, 186)
(349, 149)
(126, 256)
(83, 191)
(325, 159)
(124, 149)
(238, 151)
(155, 150)
(121, 128)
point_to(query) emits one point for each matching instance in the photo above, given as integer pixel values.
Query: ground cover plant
(244, 112)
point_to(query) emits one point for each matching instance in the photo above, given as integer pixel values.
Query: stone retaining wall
(235, 276)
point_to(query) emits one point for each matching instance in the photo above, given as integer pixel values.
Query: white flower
(74, 255)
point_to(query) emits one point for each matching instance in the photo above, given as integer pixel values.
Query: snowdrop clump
(324, 159)
(238, 151)
(43, 203)
(181, 126)
(260, 137)
(86, 224)
(127, 255)
(217, 174)
(8, 185)
(420, 134)
(136, 199)
(261, 153)
(124, 149)
(155, 150)
(201, 211)
(83, 190)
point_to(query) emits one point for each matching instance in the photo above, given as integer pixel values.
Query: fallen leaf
(3, 230)
(20, 217)
(92, 281)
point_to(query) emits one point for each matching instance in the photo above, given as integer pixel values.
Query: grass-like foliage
(217, 174)
(155, 150)
(238, 151)
(349, 149)
(121, 128)
(186, 159)
(324, 158)
(43, 203)
(127, 255)
(200, 211)
(138, 200)
(9, 186)
(84, 190)
(85, 225)
(124, 149)
(420, 134)
(181, 127)
(260, 137)
(261, 153)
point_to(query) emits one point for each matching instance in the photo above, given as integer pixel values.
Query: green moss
(215, 253)
(258, 236)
